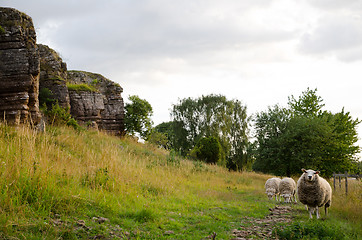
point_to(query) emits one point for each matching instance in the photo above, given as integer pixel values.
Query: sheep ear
(303, 170)
(317, 172)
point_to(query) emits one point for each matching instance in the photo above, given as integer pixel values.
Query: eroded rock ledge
(19, 68)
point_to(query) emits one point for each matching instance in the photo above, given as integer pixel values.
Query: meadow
(83, 184)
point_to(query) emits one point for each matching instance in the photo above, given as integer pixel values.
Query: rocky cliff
(53, 75)
(19, 68)
(92, 99)
(107, 108)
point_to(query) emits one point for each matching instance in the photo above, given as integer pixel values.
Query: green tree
(167, 129)
(159, 139)
(304, 136)
(138, 117)
(208, 149)
(211, 116)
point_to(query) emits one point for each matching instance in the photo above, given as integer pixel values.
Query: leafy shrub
(60, 116)
(46, 98)
(207, 149)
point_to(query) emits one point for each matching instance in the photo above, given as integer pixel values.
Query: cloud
(355, 5)
(340, 36)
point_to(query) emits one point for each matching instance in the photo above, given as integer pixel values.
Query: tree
(208, 149)
(157, 138)
(211, 116)
(138, 117)
(304, 136)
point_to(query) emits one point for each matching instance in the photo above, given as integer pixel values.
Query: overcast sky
(257, 51)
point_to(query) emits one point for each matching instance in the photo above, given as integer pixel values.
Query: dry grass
(88, 173)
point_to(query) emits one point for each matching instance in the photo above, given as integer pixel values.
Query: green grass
(81, 87)
(54, 185)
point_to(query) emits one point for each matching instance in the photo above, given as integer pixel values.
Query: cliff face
(108, 106)
(23, 64)
(19, 68)
(53, 75)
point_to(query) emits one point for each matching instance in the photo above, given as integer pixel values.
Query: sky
(257, 51)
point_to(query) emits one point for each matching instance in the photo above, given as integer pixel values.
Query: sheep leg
(310, 210)
(325, 210)
(317, 212)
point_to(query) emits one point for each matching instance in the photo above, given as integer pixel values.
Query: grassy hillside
(67, 184)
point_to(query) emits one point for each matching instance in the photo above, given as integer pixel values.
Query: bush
(207, 149)
(60, 116)
(46, 99)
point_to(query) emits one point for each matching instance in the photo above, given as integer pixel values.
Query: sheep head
(270, 192)
(310, 175)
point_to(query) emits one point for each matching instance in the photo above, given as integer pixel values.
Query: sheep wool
(272, 188)
(287, 189)
(314, 192)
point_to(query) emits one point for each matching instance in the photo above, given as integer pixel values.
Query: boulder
(19, 68)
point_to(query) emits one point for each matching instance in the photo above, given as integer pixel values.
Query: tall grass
(52, 180)
(145, 190)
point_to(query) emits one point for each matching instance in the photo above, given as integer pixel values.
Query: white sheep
(272, 188)
(287, 189)
(314, 192)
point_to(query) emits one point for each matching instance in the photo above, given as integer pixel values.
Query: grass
(55, 185)
(81, 87)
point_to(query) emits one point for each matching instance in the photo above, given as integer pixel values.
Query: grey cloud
(338, 36)
(355, 5)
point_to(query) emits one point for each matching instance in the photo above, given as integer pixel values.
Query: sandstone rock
(111, 112)
(86, 107)
(19, 68)
(53, 75)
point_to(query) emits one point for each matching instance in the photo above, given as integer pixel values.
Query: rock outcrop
(103, 106)
(92, 99)
(19, 68)
(53, 75)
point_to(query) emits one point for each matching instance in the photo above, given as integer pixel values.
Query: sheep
(272, 188)
(314, 192)
(287, 189)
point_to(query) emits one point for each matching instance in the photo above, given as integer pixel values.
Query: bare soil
(254, 228)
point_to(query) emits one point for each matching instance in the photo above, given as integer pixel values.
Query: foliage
(46, 97)
(167, 129)
(207, 149)
(211, 116)
(159, 139)
(58, 115)
(138, 117)
(2, 30)
(81, 87)
(304, 136)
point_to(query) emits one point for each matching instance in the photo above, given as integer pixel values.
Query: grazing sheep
(272, 188)
(314, 192)
(287, 189)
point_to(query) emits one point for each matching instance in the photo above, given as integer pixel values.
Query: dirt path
(252, 228)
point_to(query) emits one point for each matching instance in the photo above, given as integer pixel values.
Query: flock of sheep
(313, 191)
